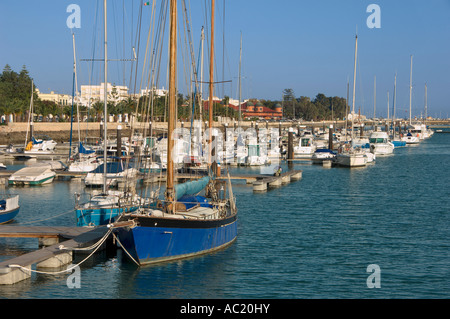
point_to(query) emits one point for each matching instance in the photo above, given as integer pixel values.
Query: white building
(60, 99)
(94, 93)
(157, 92)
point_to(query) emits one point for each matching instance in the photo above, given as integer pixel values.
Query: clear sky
(304, 45)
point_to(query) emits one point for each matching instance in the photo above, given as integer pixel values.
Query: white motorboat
(323, 154)
(33, 175)
(351, 157)
(305, 148)
(380, 144)
(413, 135)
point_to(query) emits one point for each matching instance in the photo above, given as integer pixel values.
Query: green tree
(97, 110)
(289, 103)
(15, 91)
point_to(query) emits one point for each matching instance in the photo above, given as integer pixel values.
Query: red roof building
(257, 110)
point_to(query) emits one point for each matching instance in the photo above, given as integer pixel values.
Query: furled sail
(191, 188)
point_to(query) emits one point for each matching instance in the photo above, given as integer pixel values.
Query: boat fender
(29, 146)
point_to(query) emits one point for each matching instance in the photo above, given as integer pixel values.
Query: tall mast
(76, 84)
(30, 117)
(346, 111)
(410, 90)
(374, 96)
(74, 94)
(426, 107)
(201, 76)
(211, 77)
(240, 87)
(395, 95)
(387, 121)
(172, 99)
(354, 82)
(105, 108)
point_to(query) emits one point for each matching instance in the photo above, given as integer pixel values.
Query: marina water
(313, 238)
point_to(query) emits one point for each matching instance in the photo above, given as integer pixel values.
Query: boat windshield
(377, 140)
(306, 142)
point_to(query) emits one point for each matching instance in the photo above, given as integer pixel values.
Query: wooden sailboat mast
(172, 99)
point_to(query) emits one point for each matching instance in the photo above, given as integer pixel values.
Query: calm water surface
(313, 238)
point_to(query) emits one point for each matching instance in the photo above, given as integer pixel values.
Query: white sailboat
(348, 155)
(35, 146)
(414, 132)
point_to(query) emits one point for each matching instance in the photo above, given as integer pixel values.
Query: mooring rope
(129, 255)
(98, 244)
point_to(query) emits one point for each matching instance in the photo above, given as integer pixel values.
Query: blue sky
(304, 45)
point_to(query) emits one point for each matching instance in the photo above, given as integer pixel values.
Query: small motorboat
(323, 154)
(33, 175)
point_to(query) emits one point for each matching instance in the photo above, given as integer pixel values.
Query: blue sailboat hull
(159, 239)
(99, 216)
(6, 217)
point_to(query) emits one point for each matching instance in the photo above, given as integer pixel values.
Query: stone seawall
(15, 133)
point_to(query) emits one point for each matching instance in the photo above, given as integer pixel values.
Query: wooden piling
(119, 141)
(330, 137)
(290, 145)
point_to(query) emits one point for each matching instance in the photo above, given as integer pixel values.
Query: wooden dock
(58, 244)
(262, 184)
